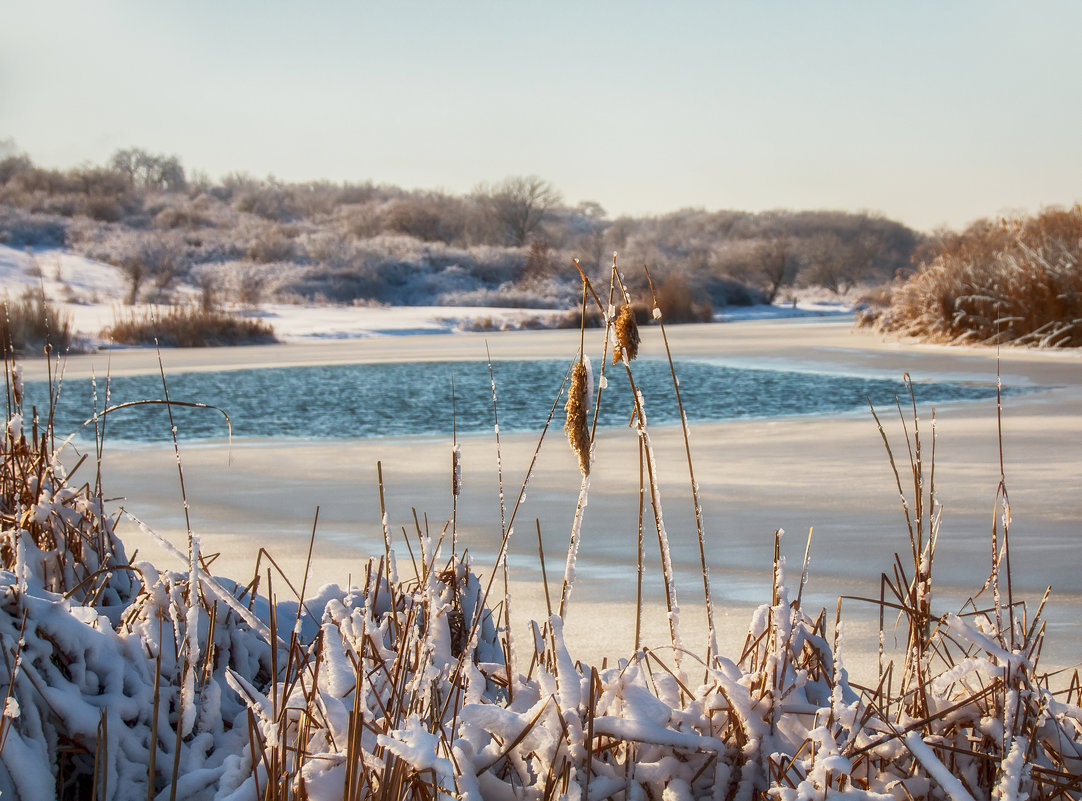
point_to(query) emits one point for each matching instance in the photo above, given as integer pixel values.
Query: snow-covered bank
(93, 294)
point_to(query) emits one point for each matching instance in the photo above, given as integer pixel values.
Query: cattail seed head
(627, 335)
(578, 400)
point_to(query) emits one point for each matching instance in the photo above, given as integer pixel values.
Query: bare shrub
(182, 216)
(677, 302)
(21, 229)
(539, 261)
(105, 209)
(151, 259)
(209, 291)
(250, 287)
(430, 217)
(364, 220)
(272, 243)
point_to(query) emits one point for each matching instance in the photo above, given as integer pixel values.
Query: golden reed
(627, 335)
(578, 434)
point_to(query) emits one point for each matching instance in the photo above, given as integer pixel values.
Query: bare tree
(776, 264)
(518, 205)
(145, 170)
(829, 263)
(766, 264)
(154, 260)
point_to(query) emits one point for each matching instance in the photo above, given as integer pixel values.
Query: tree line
(505, 242)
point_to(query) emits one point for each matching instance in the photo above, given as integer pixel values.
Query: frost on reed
(1012, 281)
(125, 681)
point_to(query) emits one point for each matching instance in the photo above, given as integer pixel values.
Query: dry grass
(1013, 281)
(416, 687)
(187, 327)
(29, 325)
(676, 300)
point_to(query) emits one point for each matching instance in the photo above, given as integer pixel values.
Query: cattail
(627, 335)
(17, 385)
(578, 400)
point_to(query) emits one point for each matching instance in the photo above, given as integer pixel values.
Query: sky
(931, 113)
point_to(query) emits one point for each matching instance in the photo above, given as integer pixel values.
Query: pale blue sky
(930, 112)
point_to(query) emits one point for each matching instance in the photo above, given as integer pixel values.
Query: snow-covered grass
(127, 681)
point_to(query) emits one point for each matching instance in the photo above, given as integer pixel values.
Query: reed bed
(126, 681)
(187, 326)
(1016, 281)
(29, 325)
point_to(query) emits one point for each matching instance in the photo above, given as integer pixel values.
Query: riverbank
(755, 477)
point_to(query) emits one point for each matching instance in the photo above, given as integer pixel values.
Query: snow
(379, 662)
(64, 275)
(938, 771)
(77, 675)
(93, 292)
(810, 307)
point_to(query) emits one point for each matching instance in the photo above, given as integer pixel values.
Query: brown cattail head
(627, 335)
(578, 434)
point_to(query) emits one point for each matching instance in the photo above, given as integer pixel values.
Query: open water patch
(413, 399)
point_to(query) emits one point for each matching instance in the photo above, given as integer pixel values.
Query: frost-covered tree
(518, 205)
(145, 170)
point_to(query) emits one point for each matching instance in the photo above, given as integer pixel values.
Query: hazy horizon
(928, 114)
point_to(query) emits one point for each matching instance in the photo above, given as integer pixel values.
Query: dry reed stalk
(712, 637)
(639, 551)
(483, 599)
(505, 529)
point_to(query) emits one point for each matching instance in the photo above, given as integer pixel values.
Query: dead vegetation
(187, 326)
(29, 325)
(1016, 281)
(129, 682)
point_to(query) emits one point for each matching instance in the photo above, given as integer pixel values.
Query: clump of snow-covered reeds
(126, 681)
(1016, 281)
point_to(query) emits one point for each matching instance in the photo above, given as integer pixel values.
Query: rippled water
(414, 398)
